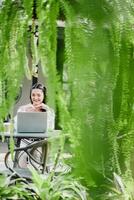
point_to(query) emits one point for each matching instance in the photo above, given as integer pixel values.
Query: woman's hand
(40, 107)
(36, 108)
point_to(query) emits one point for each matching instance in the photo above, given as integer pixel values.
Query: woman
(37, 104)
(38, 100)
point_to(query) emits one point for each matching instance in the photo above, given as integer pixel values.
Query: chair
(39, 148)
(38, 159)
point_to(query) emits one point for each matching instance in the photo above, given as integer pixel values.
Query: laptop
(31, 122)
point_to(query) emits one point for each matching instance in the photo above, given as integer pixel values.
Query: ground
(3, 150)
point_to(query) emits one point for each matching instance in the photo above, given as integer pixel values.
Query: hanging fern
(96, 109)
(94, 57)
(47, 15)
(14, 64)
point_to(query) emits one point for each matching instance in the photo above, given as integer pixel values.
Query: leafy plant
(14, 189)
(99, 70)
(95, 103)
(59, 187)
(117, 189)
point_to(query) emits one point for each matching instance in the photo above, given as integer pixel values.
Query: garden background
(89, 77)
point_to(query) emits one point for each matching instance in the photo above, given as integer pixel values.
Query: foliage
(117, 189)
(96, 109)
(99, 68)
(43, 187)
(48, 44)
(13, 53)
(57, 187)
(13, 189)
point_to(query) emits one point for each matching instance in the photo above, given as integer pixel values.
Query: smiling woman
(38, 100)
(37, 104)
(38, 97)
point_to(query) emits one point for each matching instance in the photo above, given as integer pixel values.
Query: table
(34, 136)
(31, 135)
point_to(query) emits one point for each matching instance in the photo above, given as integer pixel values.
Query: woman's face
(37, 96)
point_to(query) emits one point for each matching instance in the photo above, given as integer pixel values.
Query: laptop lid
(31, 122)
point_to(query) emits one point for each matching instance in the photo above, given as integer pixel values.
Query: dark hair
(41, 87)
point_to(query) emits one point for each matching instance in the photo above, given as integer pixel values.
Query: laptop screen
(31, 122)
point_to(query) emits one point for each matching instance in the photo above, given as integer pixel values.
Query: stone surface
(3, 150)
